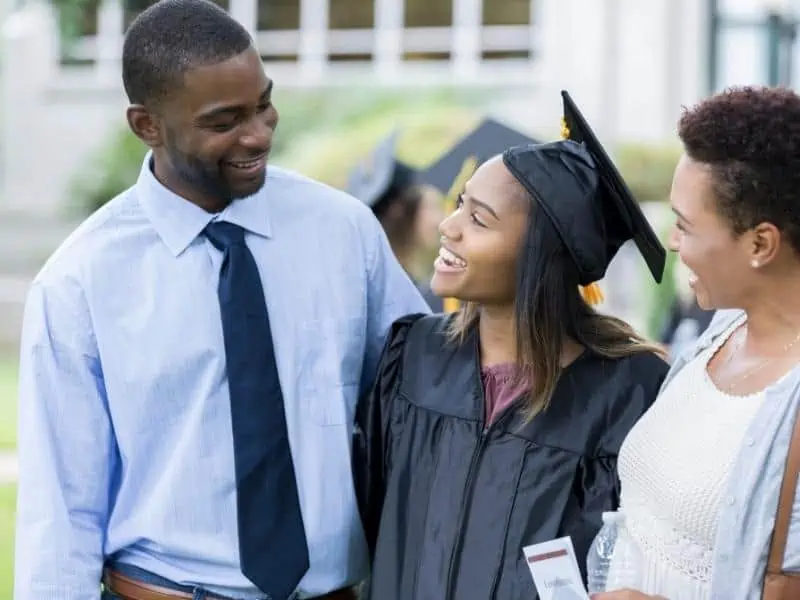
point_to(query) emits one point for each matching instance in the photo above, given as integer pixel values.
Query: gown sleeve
(596, 488)
(372, 434)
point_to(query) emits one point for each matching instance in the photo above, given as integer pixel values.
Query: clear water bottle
(611, 565)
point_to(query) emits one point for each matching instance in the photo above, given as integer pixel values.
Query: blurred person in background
(702, 472)
(486, 140)
(192, 354)
(408, 210)
(498, 426)
(686, 320)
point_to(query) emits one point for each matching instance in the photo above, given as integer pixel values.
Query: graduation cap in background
(381, 173)
(578, 188)
(488, 139)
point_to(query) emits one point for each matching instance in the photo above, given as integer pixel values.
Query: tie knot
(224, 235)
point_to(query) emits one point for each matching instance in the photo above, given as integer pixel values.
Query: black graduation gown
(447, 506)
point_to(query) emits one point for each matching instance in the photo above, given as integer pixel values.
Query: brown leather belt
(130, 589)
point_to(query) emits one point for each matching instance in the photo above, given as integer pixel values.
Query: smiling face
(212, 136)
(481, 239)
(720, 262)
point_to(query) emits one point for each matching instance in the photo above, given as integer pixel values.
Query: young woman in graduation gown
(499, 426)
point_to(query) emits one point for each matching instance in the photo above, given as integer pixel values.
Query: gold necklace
(750, 372)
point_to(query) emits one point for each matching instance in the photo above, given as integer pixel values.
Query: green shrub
(662, 296)
(425, 135)
(315, 128)
(8, 505)
(113, 169)
(324, 133)
(647, 169)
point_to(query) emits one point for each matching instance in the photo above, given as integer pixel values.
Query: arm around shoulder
(67, 451)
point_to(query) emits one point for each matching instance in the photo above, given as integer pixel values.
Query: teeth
(450, 258)
(245, 165)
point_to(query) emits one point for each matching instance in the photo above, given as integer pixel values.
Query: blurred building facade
(624, 61)
(630, 65)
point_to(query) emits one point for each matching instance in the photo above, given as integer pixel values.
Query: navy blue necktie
(272, 543)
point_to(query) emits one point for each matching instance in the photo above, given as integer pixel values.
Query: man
(192, 354)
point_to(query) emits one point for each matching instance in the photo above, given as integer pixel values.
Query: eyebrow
(483, 205)
(677, 212)
(222, 110)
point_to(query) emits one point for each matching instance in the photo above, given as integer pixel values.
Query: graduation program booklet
(555, 571)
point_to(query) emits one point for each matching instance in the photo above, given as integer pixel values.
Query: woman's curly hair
(749, 137)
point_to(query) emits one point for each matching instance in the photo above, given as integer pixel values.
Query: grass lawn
(7, 507)
(8, 406)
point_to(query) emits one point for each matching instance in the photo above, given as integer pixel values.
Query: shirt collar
(178, 222)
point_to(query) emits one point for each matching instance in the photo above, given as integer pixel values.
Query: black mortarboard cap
(372, 179)
(488, 139)
(580, 190)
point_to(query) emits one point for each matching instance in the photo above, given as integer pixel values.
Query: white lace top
(674, 467)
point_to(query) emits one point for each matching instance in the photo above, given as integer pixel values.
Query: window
(352, 14)
(506, 12)
(278, 15)
(132, 8)
(84, 22)
(429, 13)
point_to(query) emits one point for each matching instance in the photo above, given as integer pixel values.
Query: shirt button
(723, 558)
(731, 500)
(750, 441)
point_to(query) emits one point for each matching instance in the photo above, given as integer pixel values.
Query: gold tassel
(564, 129)
(592, 294)
(451, 305)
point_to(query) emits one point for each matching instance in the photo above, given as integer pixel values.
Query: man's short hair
(172, 37)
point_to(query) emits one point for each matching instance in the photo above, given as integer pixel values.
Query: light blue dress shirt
(125, 440)
(750, 503)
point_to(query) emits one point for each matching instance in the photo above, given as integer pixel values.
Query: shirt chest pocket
(332, 352)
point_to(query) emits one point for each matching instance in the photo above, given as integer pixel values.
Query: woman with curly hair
(702, 471)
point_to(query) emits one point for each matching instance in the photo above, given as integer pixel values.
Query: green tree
(72, 18)
(322, 134)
